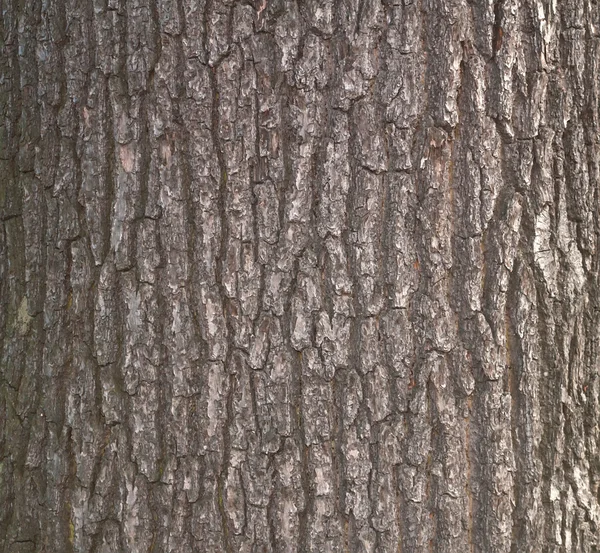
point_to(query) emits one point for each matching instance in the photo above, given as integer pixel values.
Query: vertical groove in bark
(299, 276)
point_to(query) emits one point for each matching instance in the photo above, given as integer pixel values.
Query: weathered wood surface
(314, 275)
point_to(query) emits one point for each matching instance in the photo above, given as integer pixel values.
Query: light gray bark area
(314, 276)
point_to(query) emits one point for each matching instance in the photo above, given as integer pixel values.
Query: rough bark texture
(314, 275)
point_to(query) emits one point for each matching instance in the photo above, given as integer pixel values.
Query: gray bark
(314, 275)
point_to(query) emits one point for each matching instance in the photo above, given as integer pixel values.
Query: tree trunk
(314, 275)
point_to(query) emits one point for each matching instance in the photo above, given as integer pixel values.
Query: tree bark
(314, 276)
